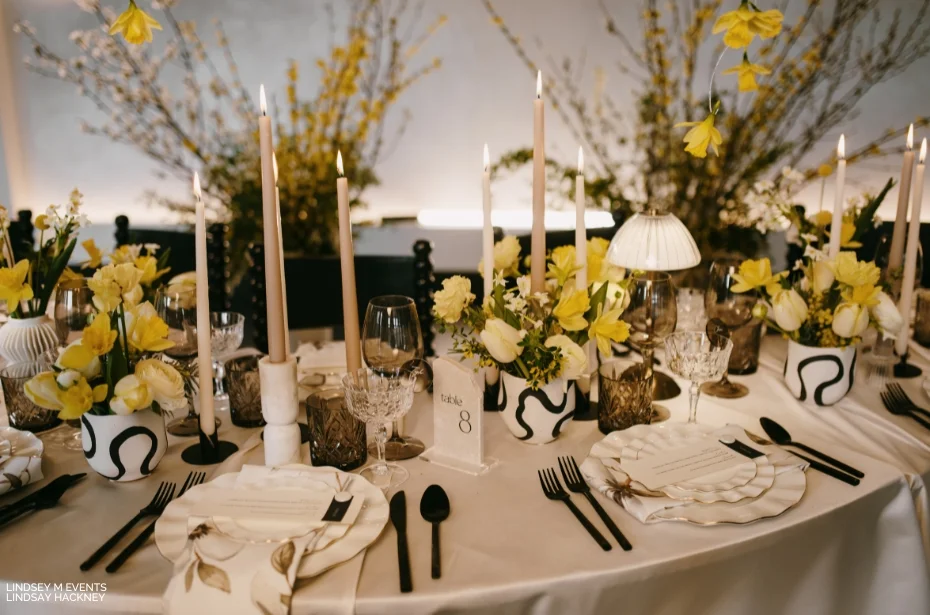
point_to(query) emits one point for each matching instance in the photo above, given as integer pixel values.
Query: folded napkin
(320, 354)
(20, 460)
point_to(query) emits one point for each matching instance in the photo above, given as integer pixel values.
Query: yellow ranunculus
(866, 295)
(743, 24)
(746, 73)
(823, 218)
(76, 399)
(13, 286)
(455, 295)
(571, 308)
(608, 327)
(145, 330)
(148, 265)
(135, 25)
(165, 383)
(852, 272)
(130, 394)
(41, 223)
(701, 136)
(563, 265)
(754, 274)
(42, 390)
(95, 256)
(98, 336)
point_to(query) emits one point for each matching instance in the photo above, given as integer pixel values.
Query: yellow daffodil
(866, 295)
(115, 284)
(41, 223)
(98, 337)
(135, 25)
(570, 310)
(743, 24)
(608, 327)
(746, 73)
(824, 170)
(42, 390)
(852, 272)
(145, 330)
(80, 358)
(846, 236)
(94, 254)
(79, 398)
(69, 275)
(754, 274)
(13, 286)
(148, 265)
(563, 265)
(701, 135)
(823, 218)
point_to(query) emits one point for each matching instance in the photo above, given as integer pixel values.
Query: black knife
(47, 497)
(828, 470)
(63, 479)
(399, 519)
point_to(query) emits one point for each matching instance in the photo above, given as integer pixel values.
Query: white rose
(823, 277)
(130, 394)
(887, 315)
(164, 382)
(789, 310)
(850, 320)
(502, 340)
(574, 358)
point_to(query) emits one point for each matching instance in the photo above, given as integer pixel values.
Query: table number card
(458, 434)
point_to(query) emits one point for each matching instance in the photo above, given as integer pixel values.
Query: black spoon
(781, 437)
(434, 507)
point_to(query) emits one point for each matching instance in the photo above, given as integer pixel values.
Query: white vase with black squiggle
(124, 448)
(536, 416)
(821, 376)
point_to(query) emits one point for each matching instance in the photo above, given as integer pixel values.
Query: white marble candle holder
(279, 390)
(282, 444)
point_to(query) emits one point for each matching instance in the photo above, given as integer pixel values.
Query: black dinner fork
(554, 491)
(895, 406)
(897, 393)
(193, 479)
(161, 498)
(576, 484)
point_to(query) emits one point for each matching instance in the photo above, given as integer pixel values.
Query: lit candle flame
(841, 148)
(487, 159)
(539, 84)
(274, 166)
(580, 161)
(339, 168)
(910, 138)
(923, 151)
(197, 194)
(261, 100)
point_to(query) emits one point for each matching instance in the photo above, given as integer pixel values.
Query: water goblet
(73, 310)
(227, 330)
(652, 314)
(734, 311)
(698, 357)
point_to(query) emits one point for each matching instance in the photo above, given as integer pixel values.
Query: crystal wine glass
(734, 310)
(652, 315)
(392, 339)
(227, 330)
(379, 397)
(698, 357)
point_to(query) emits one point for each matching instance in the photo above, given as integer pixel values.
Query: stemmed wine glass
(176, 304)
(227, 330)
(652, 315)
(734, 310)
(698, 357)
(392, 340)
(73, 308)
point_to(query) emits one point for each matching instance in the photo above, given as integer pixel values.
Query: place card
(458, 433)
(672, 466)
(285, 505)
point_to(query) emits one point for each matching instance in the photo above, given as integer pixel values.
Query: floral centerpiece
(536, 340)
(145, 257)
(113, 380)
(822, 312)
(27, 285)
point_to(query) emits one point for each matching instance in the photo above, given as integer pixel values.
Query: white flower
(88, 6)
(515, 303)
(815, 254)
(809, 237)
(791, 175)
(850, 319)
(68, 378)
(574, 358)
(502, 341)
(541, 298)
(151, 248)
(887, 316)
(789, 310)
(523, 285)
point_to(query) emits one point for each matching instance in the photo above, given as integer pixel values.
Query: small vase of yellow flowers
(823, 310)
(536, 339)
(114, 380)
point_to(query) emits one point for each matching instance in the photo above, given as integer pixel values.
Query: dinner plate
(336, 545)
(20, 460)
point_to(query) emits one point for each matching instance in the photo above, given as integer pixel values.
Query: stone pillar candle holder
(279, 408)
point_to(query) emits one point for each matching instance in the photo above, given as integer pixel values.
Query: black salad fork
(554, 491)
(576, 484)
(898, 394)
(896, 407)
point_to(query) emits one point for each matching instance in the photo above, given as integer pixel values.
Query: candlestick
(836, 227)
(896, 252)
(347, 258)
(277, 332)
(581, 239)
(538, 238)
(204, 350)
(277, 209)
(910, 257)
(487, 232)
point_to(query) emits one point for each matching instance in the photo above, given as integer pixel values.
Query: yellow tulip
(42, 390)
(41, 223)
(76, 400)
(608, 327)
(571, 308)
(98, 336)
(701, 136)
(850, 271)
(746, 73)
(145, 330)
(13, 286)
(743, 24)
(96, 256)
(754, 274)
(135, 25)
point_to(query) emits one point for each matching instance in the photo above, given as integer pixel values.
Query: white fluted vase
(24, 340)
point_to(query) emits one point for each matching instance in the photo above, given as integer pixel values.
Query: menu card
(286, 505)
(676, 465)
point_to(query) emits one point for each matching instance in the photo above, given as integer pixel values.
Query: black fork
(193, 479)
(896, 407)
(575, 483)
(554, 491)
(158, 503)
(898, 394)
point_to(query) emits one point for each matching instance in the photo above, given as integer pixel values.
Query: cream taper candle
(538, 237)
(836, 227)
(347, 258)
(581, 239)
(277, 209)
(487, 231)
(277, 347)
(896, 251)
(204, 347)
(910, 257)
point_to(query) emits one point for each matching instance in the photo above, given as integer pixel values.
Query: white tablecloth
(507, 549)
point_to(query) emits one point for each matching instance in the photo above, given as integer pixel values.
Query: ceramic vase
(536, 416)
(124, 448)
(26, 339)
(822, 376)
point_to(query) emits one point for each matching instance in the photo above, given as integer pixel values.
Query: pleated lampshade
(653, 242)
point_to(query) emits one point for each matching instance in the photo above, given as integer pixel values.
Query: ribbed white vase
(26, 339)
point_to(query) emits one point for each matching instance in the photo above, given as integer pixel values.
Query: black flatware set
(837, 469)
(44, 498)
(434, 508)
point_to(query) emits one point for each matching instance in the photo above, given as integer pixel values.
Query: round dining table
(507, 549)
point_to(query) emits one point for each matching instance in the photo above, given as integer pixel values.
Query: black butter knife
(46, 497)
(399, 519)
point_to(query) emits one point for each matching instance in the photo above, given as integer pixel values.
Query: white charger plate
(337, 544)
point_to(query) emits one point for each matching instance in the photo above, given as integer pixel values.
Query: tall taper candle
(581, 238)
(277, 347)
(347, 258)
(487, 231)
(836, 227)
(896, 252)
(204, 348)
(910, 257)
(277, 208)
(538, 238)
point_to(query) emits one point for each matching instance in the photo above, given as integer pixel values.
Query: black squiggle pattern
(92, 436)
(852, 369)
(818, 392)
(543, 399)
(558, 426)
(135, 430)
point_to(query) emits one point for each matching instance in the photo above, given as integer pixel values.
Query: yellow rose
(852, 272)
(98, 336)
(135, 25)
(164, 382)
(13, 286)
(42, 390)
(130, 394)
(571, 308)
(573, 357)
(608, 327)
(502, 341)
(79, 357)
(145, 330)
(455, 295)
